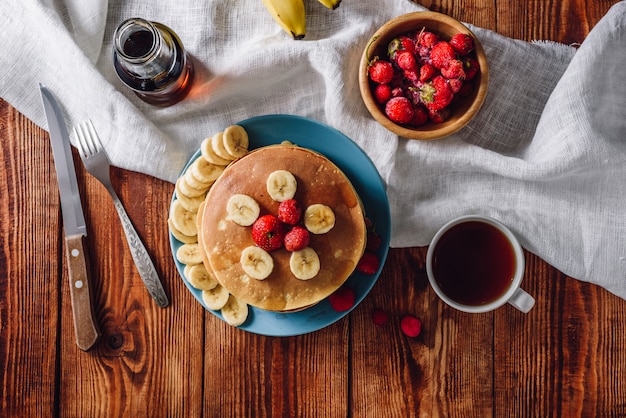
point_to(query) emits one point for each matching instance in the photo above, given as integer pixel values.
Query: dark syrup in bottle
(150, 59)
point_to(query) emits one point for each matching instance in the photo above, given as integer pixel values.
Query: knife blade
(81, 292)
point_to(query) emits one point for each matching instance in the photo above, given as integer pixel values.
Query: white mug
(481, 227)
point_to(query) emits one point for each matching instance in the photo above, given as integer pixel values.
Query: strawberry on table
(441, 53)
(368, 264)
(453, 69)
(427, 71)
(406, 60)
(381, 71)
(436, 94)
(382, 93)
(410, 326)
(343, 299)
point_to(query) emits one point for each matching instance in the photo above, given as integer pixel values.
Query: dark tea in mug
(474, 263)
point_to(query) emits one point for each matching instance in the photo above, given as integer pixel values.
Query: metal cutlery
(97, 164)
(85, 325)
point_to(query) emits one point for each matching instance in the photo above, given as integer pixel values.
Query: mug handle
(522, 300)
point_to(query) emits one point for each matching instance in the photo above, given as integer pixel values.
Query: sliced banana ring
(183, 219)
(185, 239)
(208, 153)
(189, 254)
(256, 262)
(205, 171)
(200, 278)
(242, 209)
(235, 312)
(319, 218)
(186, 189)
(281, 185)
(304, 264)
(236, 141)
(217, 143)
(216, 298)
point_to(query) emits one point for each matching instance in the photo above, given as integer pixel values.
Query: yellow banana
(330, 4)
(289, 14)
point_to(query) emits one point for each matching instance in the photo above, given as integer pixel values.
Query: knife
(85, 325)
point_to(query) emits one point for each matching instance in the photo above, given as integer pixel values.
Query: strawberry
(436, 94)
(382, 93)
(453, 69)
(399, 109)
(438, 116)
(268, 232)
(368, 264)
(456, 84)
(406, 60)
(290, 211)
(399, 44)
(427, 71)
(427, 39)
(412, 75)
(441, 53)
(462, 43)
(471, 67)
(410, 326)
(380, 71)
(380, 317)
(373, 242)
(297, 239)
(420, 115)
(342, 300)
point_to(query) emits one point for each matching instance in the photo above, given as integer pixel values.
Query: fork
(97, 164)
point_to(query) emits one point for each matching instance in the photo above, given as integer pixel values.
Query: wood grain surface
(564, 359)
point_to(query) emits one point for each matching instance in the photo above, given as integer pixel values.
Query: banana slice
(217, 143)
(242, 209)
(186, 189)
(200, 278)
(281, 185)
(304, 264)
(204, 171)
(256, 262)
(215, 298)
(206, 148)
(185, 239)
(193, 182)
(319, 218)
(190, 203)
(183, 219)
(189, 254)
(236, 141)
(235, 312)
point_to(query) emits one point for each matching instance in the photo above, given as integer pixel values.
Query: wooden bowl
(462, 111)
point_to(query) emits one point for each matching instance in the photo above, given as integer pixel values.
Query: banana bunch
(191, 188)
(291, 16)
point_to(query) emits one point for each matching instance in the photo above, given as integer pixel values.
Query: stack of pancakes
(222, 241)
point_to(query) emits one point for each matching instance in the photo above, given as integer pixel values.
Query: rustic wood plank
(30, 269)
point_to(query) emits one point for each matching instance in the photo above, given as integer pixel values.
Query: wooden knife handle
(85, 325)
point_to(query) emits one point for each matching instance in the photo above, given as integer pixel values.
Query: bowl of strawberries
(423, 75)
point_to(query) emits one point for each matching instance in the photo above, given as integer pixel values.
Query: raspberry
(342, 300)
(441, 53)
(399, 110)
(462, 43)
(436, 94)
(297, 239)
(453, 69)
(290, 211)
(406, 60)
(410, 326)
(368, 264)
(380, 317)
(427, 72)
(382, 93)
(381, 71)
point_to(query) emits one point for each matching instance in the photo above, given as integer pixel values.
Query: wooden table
(565, 358)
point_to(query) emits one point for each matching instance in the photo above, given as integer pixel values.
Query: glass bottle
(150, 59)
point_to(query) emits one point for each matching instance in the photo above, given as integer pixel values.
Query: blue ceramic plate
(274, 129)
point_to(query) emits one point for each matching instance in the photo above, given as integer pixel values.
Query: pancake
(319, 181)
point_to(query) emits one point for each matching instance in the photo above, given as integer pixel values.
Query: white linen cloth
(546, 155)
